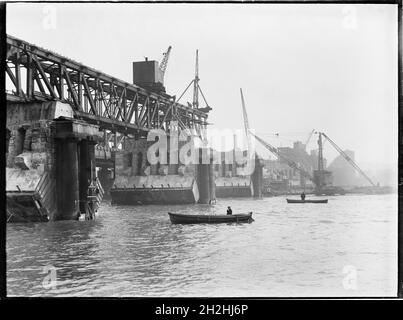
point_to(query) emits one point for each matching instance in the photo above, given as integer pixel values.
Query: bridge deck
(96, 97)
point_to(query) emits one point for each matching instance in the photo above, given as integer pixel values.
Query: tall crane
(348, 159)
(321, 166)
(164, 63)
(269, 147)
(245, 115)
(196, 83)
(289, 162)
(196, 89)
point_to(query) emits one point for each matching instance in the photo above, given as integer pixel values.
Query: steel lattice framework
(36, 74)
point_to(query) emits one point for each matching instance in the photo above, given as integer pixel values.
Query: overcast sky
(331, 68)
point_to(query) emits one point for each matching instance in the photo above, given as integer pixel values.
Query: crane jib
(348, 159)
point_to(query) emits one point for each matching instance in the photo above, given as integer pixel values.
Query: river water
(347, 247)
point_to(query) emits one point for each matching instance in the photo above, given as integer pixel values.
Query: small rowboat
(306, 201)
(201, 218)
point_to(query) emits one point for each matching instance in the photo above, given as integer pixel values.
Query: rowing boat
(201, 218)
(306, 201)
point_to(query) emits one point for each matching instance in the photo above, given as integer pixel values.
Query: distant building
(343, 173)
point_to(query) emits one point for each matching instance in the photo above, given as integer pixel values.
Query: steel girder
(35, 74)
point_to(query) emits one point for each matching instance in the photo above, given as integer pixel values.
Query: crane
(269, 147)
(164, 63)
(196, 89)
(289, 162)
(320, 187)
(196, 83)
(348, 159)
(245, 115)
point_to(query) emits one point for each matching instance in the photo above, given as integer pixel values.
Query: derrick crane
(321, 166)
(321, 175)
(348, 159)
(245, 116)
(196, 83)
(317, 178)
(196, 89)
(290, 163)
(269, 147)
(164, 63)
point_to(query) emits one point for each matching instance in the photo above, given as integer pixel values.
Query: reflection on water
(289, 250)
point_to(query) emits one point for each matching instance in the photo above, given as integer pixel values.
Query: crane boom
(164, 62)
(348, 159)
(196, 83)
(268, 146)
(245, 115)
(290, 163)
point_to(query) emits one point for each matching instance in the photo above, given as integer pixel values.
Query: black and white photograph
(197, 150)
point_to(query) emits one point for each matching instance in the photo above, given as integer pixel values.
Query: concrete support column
(203, 183)
(67, 181)
(212, 181)
(203, 175)
(257, 179)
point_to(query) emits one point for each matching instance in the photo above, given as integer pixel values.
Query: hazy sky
(331, 68)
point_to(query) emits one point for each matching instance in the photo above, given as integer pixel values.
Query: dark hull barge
(194, 218)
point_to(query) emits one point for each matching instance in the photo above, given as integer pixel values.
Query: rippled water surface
(347, 247)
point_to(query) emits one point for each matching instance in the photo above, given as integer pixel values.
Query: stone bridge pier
(205, 177)
(50, 169)
(75, 167)
(257, 178)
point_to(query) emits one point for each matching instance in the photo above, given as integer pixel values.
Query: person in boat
(229, 211)
(303, 195)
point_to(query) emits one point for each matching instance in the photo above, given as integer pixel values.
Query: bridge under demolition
(75, 133)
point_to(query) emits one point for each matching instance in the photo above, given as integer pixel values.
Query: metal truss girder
(109, 98)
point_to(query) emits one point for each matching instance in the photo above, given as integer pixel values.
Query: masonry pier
(50, 172)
